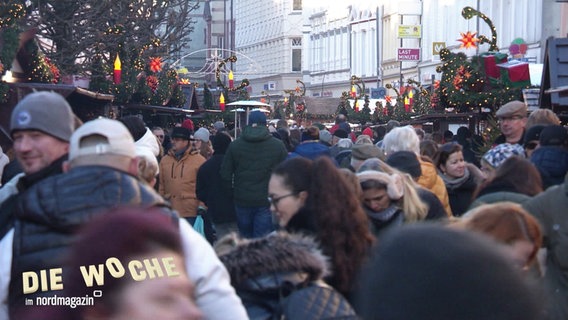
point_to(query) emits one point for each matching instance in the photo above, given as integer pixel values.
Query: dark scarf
(56, 167)
(179, 154)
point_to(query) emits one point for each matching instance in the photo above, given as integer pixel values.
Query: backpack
(315, 301)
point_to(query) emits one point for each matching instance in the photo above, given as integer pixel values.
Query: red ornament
(152, 82)
(155, 64)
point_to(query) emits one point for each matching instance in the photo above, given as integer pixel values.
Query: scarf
(179, 154)
(383, 216)
(452, 184)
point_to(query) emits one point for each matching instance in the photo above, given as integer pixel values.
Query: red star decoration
(468, 40)
(155, 64)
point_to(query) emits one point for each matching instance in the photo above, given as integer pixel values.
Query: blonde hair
(543, 117)
(147, 170)
(413, 207)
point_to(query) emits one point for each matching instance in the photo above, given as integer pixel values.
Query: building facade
(325, 43)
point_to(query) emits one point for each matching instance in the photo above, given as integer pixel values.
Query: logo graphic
(24, 118)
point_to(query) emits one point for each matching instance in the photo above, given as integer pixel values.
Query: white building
(325, 43)
(270, 34)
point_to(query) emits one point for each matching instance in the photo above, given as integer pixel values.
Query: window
(296, 59)
(297, 5)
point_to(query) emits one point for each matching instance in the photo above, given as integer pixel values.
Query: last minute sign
(407, 54)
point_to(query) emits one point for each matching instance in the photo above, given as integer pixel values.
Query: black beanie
(405, 161)
(220, 142)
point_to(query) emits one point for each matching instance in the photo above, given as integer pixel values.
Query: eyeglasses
(160, 135)
(274, 201)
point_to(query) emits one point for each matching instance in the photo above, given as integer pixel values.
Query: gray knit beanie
(45, 111)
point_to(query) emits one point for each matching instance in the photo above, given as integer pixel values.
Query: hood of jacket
(275, 256)
(552, 163)
(149, 141)
(256, 134)
(311, 150)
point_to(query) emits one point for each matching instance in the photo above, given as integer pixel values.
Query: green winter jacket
(551, 209)
(248, 164)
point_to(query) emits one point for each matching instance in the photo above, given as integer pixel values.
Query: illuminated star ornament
(156, 64)
(468, 40)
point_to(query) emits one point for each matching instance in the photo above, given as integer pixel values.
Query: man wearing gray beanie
(41, 126)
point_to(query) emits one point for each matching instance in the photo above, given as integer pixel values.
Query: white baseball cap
(116, 139)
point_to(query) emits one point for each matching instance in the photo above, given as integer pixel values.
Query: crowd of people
(297, 223)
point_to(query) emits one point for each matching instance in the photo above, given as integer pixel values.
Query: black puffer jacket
(266, 271)
(49, 213)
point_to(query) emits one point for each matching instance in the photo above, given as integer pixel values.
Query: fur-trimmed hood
(277, 254)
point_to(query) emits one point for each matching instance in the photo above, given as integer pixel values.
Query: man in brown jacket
(178, 173)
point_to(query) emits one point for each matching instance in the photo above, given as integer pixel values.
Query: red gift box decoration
(490, 62)
(515, 74)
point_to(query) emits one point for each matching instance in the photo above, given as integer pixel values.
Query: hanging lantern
(222, 102)
(117, 72)
(353, 91)
(231, 81)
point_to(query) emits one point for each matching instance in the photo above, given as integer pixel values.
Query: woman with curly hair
(313, 197)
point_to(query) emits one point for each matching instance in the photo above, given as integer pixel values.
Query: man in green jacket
(247, 167)
(549, 208)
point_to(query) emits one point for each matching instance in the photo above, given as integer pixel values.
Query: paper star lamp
(468, 40)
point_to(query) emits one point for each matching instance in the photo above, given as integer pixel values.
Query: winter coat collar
(263, 263)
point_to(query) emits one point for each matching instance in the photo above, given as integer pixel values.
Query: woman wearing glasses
(313, 197)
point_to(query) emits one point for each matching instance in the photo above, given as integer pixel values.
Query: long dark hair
(516, 173)
(340, 223)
